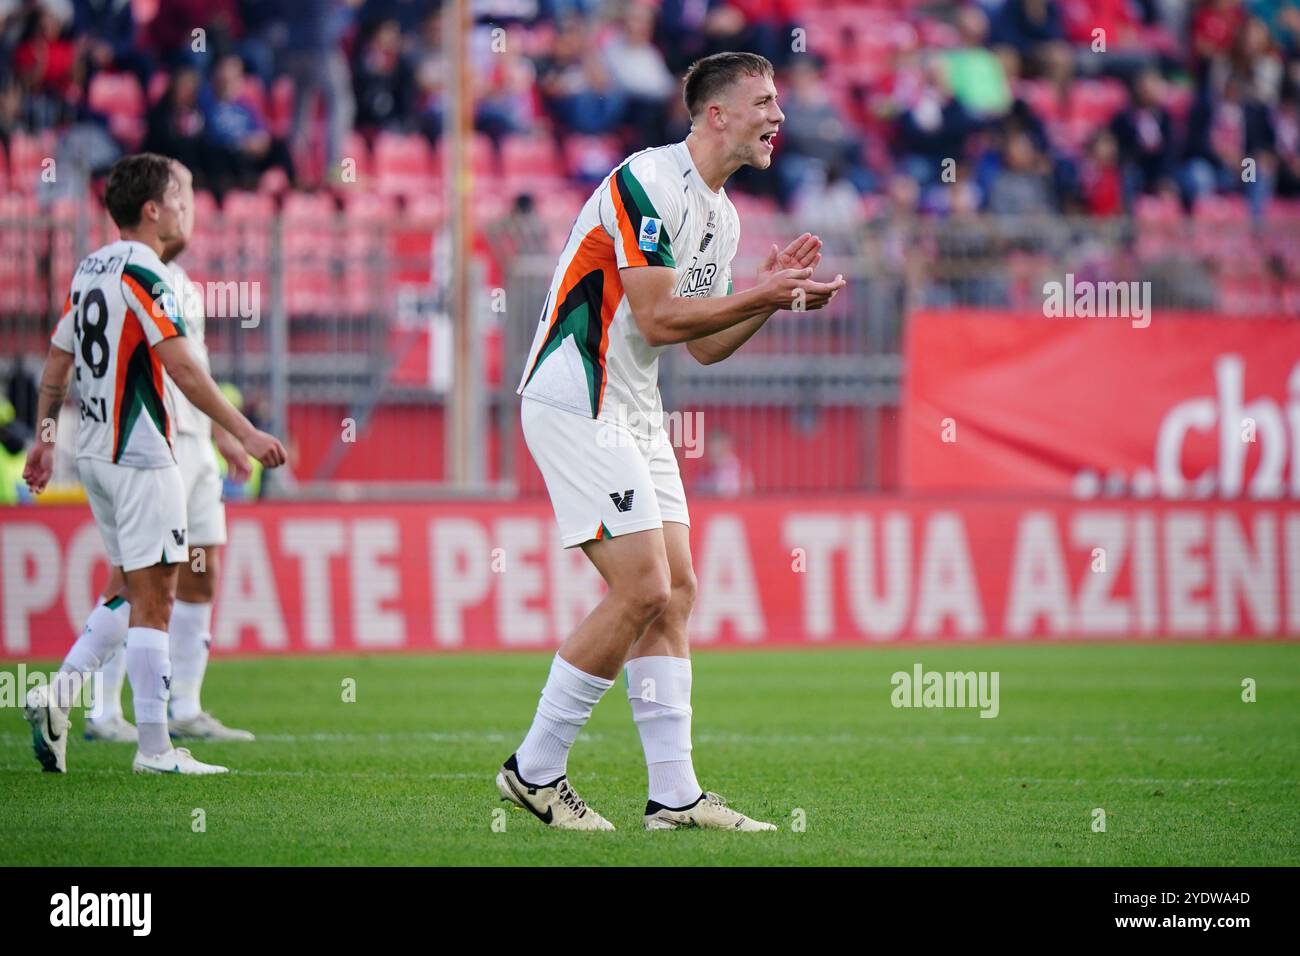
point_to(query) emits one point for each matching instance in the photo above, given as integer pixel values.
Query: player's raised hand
(781, 286)
(817, 295)
(266, 449)
(802, 253)
(39, 467)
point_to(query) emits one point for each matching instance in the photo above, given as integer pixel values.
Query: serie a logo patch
(649, 235)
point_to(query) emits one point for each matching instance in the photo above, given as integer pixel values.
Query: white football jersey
(588, 356)
(120, 306)
(189, 420)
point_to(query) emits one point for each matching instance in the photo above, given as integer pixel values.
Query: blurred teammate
(191, 620)
(647, 265)
(119, 329)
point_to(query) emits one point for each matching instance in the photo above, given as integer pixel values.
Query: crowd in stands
(1033, 106)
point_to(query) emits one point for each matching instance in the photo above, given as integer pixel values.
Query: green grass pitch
(1156, 736)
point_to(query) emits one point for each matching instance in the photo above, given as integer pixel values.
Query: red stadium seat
(403, 164)
(27, 156)
(119, 97)
(524, 156)
(1221, 209)
(311, 249)
(357, 150)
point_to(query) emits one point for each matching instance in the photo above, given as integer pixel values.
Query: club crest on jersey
(649, 236)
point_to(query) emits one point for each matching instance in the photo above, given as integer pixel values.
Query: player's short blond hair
(708, 77)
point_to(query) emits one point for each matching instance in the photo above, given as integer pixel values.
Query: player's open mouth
(768, 139)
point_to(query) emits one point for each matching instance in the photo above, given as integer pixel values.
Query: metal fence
(333, 326)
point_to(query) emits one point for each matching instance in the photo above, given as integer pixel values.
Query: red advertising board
(309, 578)
(1189, 407)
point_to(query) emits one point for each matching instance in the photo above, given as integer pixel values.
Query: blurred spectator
(505, 99)
(1286, 137)
(46, 63)
(429, 71)
(172, 38)
(575, 85)
(1282, 18)
(1026, 25)
(727, 476)
(407, 15)
(1229, 145)
(641, 75)
(828, 203)
(316, 63)
(978, 274)
(814, 136)
(975, 74)
(1100, 179)
(1214, 24)
(1256, 59)
(109, 26)
(934, 129)
(519, 233)
(681, 31)
(241, 148)
(382, 81)
(1023, 186)
(11, 114)
(1144, 135)
(176, 124)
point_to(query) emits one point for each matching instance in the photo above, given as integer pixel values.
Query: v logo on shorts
(179, 535)
(624, 502)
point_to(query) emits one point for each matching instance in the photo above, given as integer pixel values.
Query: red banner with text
(1187, 407)
(359, 578)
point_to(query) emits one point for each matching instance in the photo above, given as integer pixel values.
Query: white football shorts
(204, 508)
(140, 512)
(603, 480)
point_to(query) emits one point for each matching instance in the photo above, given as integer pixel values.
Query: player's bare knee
(196, 587)
(653, 597)
(685, 587)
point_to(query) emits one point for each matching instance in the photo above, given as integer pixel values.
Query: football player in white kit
(191, 620)
(119, 328)
(647, 265)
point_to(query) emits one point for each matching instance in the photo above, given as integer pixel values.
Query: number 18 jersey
(120, 306)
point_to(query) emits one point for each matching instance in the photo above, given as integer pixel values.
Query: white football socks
(149, 665)
(567, 701)
(190, 630)
(102, 638)
(110, 688)
(659, 690)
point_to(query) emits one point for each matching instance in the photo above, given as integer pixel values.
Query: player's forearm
(684, 320)
(721, 345)
(53, 391)
(198, 386)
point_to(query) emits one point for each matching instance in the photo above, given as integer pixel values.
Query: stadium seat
(403, 164)
(527, 156)
(27, 154)
(118, 96)
(311, 248)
